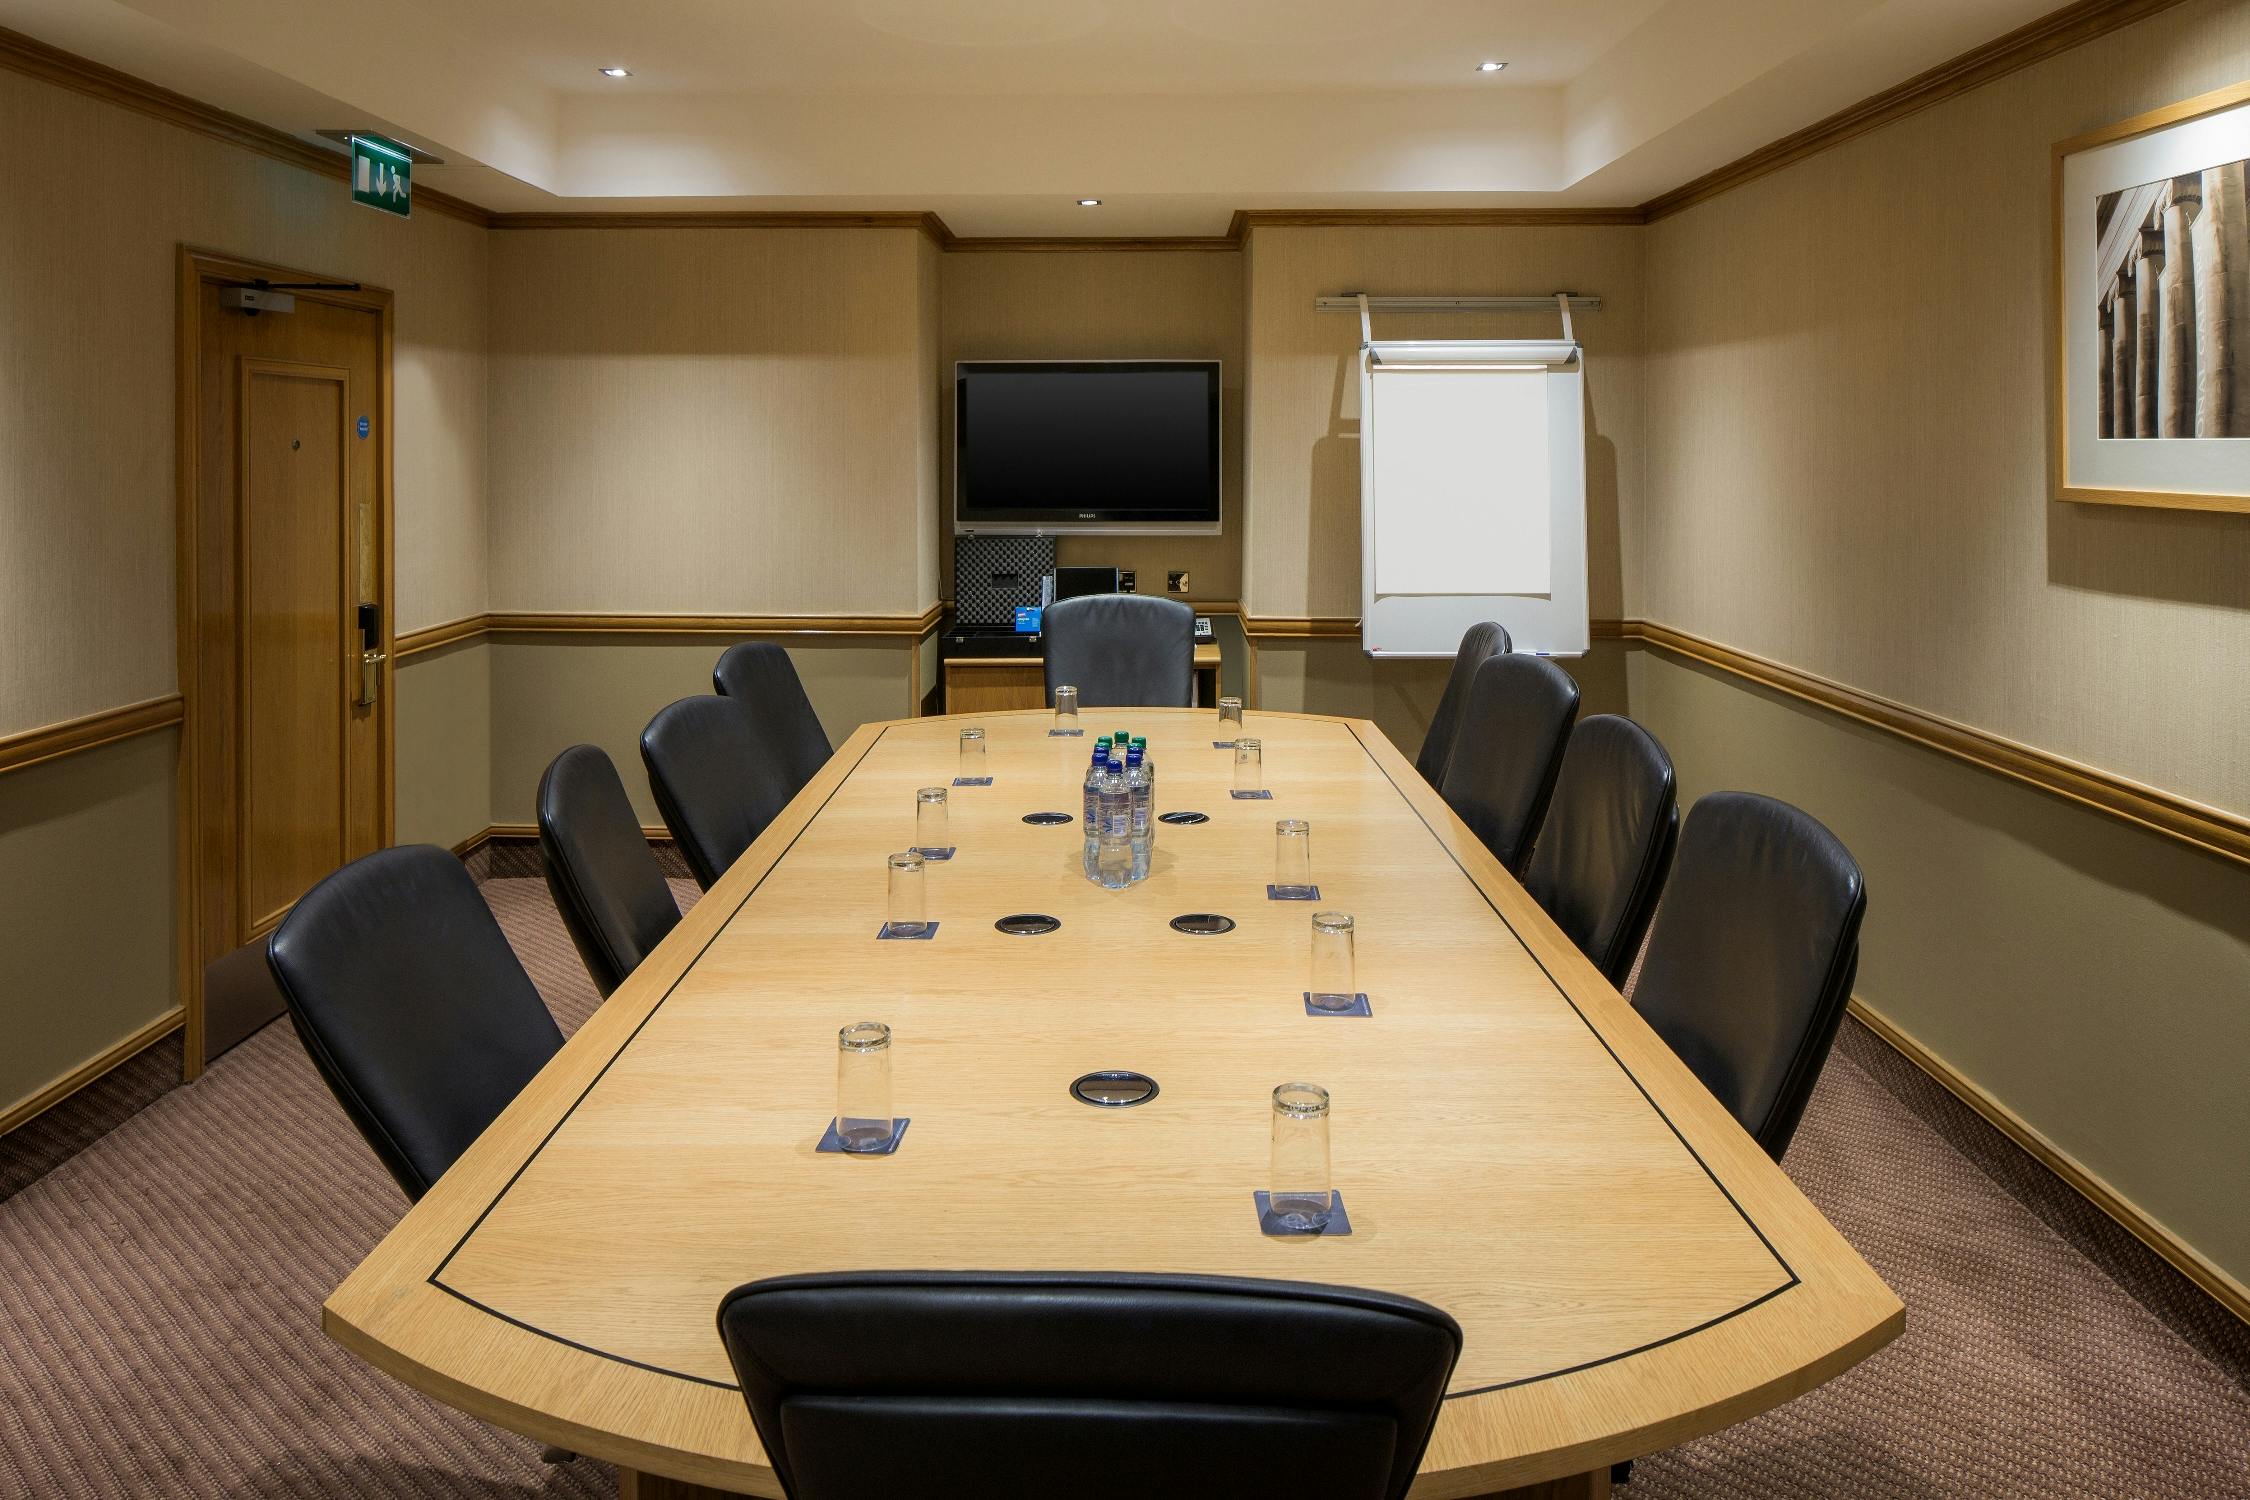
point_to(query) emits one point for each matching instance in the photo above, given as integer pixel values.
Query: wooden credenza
(988, 684)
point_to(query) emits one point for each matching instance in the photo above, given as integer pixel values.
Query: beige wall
(101, 198)
(1180, 304)
(709, 421)
(443, 715)
(553, 691)
(1845, 462)
(2089, 975)
(86, 912)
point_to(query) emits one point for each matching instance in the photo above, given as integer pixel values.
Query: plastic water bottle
(1090, 813)
(1115, 858)
(1148, 769)
(1136, 792)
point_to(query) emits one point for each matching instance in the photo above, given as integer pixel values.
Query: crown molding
(922, 223)
(1246, 220)
(35, 59)
(2060, 31)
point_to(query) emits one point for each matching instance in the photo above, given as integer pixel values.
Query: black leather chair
(1510, 746)
(1480, 643)
(999, 1385)
(606, 884)
(760, 676)
(718, 780)
(1121, 650)
(1606, 845)
(412, 1005)
(1752, 960)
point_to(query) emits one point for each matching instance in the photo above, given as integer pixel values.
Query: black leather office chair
(1606, 845)
(1510, 746)
(1121, 650)
(718, 780)
(759, 675)
(412, 1005)
(606, 884)
(1480, 642)
(998, 1385)
(1752, 960)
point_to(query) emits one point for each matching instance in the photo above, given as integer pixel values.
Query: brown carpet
(160, 1296)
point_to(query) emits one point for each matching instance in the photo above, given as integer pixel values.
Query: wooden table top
(1514, 1144)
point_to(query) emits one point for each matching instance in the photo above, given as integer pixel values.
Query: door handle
(370, 676)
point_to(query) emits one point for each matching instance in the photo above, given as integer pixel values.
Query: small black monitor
(1070, 583)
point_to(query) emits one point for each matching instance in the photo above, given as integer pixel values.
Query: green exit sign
(382, 175)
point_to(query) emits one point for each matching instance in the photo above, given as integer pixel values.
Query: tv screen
(1086, 445)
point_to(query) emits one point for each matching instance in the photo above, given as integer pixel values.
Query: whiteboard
(1472, 495)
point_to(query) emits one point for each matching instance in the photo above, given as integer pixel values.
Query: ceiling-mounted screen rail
(1351, 303)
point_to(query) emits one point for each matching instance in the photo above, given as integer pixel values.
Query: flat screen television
(1042, 446)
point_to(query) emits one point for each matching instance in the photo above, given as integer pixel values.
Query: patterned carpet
(159, 1319)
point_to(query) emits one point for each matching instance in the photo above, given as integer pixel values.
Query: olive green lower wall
(86, 912)
(2092, 977)
(442, 725)
(553, 691)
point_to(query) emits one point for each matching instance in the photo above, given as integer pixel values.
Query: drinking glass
(1298, 1190)
(972, 754)
(1230, 712)
(1249, 766)
(930, 833)
(1335, 983)
(1066, 708)
(909, 918)
(863, 1086)
(1292, 858)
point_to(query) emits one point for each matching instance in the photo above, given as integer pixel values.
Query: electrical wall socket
(1175, 582)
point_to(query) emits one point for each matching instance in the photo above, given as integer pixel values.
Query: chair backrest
(991, 1385)
(1751, 963)
(1482, 641)
(605, 882)
(718, 780)
(760, 676)
(1599, 864)
(1504, 761)
(412, 1005)
(1121, 650)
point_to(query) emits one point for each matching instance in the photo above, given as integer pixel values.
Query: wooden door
(285, 674)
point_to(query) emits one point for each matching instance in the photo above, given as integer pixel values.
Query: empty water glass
(930, 832)
(1298, 1190)
(1249, 766)
(1230, 712)
(863, 1086)
(972, 754)
(1066, 708)
(909, 917)
(1292, 859)
(1335, 984)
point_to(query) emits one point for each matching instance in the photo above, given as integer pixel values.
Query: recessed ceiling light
(1490, 67)
(617, 72)
(1089, 203)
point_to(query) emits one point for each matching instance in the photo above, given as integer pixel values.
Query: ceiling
(999, 114)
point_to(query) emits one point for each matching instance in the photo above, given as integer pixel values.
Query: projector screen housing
(1048, 446)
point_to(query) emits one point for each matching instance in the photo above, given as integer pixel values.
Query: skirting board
(91, 1069)
(2222, 1288)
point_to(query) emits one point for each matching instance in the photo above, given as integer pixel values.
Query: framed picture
(2151, 308)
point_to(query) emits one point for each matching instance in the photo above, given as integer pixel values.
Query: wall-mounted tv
(1086, 445)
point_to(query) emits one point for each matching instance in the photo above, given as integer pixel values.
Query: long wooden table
(1513, 1143)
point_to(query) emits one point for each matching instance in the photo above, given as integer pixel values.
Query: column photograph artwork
(2152, 308)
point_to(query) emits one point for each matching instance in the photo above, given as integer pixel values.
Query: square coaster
(946, 853)
(1260, 796)
(1339, 1222)
(972, 781)
(1064, 734)
(829, 1141)
(1222, 744)
(1358, 1007)
(927, 932)
(1292, 893)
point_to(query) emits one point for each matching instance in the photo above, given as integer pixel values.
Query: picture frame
(2149, 310)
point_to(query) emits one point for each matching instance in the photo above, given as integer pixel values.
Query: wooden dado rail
(527, 622)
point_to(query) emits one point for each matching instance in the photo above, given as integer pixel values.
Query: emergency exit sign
(382, 174)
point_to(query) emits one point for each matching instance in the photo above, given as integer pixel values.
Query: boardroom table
(1512, 1143)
